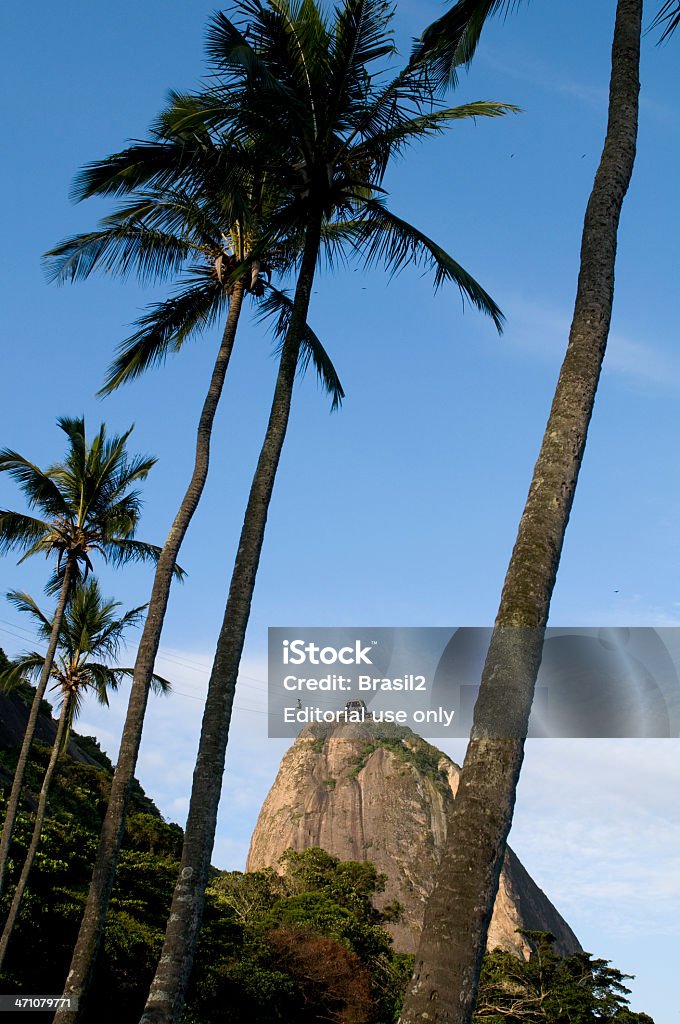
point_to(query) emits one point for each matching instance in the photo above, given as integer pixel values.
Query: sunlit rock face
(381, 793)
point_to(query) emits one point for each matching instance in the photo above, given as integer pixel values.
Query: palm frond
(101, 678)
(393, 137)
(359, 38)
(23, 602)
(19, 531)
(193, 219)
(183, 119)
(393, 242)
(278, 306)
(122, 551)
(158, 683)
(231, 54)
(152, 162)
(669, 16)
(119, 251)
(451, 41)
(338, 241)
(39, 487)
(110, 636)
(28, 666)
(74, 428)
(55, 580)
(165, 328)
(112, 499)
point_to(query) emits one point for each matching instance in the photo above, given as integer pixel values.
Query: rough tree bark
(19, 774)
(166, 995)
(113, 829)
(448, 961)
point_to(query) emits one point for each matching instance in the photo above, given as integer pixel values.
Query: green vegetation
(410, 749)
(549, 989)
(307, 945)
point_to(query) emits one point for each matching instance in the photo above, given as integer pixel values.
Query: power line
(180, 693)
(162, 654)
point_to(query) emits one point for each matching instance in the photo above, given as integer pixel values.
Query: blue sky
(402, 508)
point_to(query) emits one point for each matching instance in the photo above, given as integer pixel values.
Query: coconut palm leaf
(394, 243)
(232, 55)
(39, 488)
(23, 602)
(277, 304)
(27, 666)
(121, 551)
(165, 328)
(668, 16)
(158, 683)
(396, 135)
(118, 250)
(451, 41)
(359, 39)
(157, 161)
(19, 531)
(110, 635)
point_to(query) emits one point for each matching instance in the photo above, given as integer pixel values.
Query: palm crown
(296, 104)
(193, 223)
(85, 504)
(327, 124)
(89, 642)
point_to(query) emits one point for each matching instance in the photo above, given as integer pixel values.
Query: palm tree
(296, 85)
(86, 505)
(191, 218)
(239, 150)
(89, 639)
(457, 915)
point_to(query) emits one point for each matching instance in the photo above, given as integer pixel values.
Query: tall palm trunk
(37, 827)
(113, 829)
(166, 995)
(457, 915)
(20, 772)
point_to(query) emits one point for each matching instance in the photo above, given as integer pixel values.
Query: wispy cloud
(544, 332)
(547, 77)
(596, 824)
(562, 82)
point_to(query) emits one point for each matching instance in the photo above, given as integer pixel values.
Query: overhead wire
(28, 635)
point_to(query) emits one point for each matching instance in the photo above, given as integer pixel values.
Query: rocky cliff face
(13, 719)
(383, 794)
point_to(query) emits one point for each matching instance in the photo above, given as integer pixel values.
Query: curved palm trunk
(113, 829)
(37, 828)
(20, 772)
(166, 995)
(457, 915)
